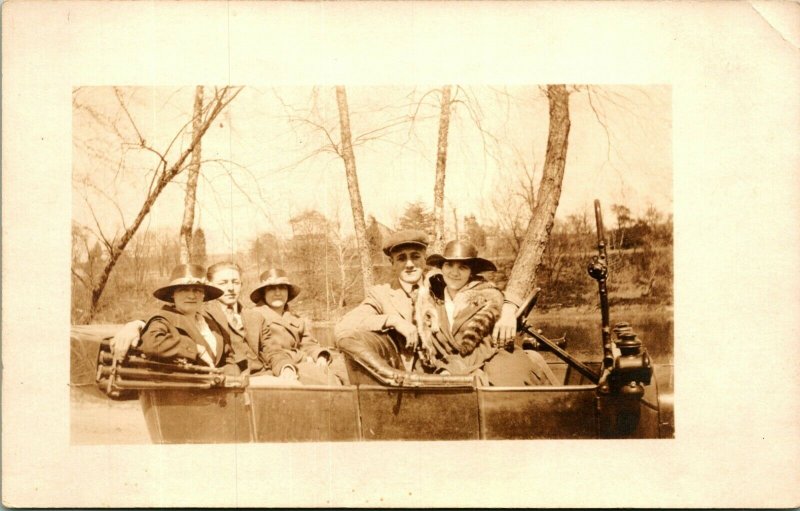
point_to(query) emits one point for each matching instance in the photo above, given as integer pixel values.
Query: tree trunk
(342, 275)
(220, 102)
(523, 274)
(441, 163)
(352, 187)
(191, 182)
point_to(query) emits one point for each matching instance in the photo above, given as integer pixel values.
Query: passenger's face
(228, 280)
(188, 300)
(456, 274)
(408, 263)
(276, 296)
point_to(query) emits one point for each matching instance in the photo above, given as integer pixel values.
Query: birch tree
(349, 159)
(441, 163)
(191, 182)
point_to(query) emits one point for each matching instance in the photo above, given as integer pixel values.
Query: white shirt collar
(406, 286)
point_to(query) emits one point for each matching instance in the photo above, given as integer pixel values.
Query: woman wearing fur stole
(462, 314)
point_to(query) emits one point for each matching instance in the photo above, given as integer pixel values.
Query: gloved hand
(126, 337)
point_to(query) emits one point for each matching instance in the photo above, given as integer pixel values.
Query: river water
(655, 328)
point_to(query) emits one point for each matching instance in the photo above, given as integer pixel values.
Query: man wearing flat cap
(375, 331)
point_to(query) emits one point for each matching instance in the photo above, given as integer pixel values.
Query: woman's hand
(126, 337)
(505, 329)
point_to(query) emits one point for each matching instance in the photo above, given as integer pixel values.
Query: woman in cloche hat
(281, 338)
(180, 330)
(467, 306)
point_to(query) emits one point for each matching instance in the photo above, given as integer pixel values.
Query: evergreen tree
(417, 216)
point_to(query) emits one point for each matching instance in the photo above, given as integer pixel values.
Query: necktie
(414, 295)
(233, 318)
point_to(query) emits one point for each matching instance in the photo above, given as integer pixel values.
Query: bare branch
(108, 198)
(75, 274)
(118, 94)
(99, 233)
(118, 247)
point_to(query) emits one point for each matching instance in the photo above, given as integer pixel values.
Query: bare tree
(191, 181)
(514, 207)
(352, 186)
(624, 220)
(441, 164)
(523, 274)
(163, 174)
(344, 256)
(167, 251)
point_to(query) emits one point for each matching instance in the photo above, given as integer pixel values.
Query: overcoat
(477, 306)
(381, 301)
(169, 334)
(245, 357)
(280, 339)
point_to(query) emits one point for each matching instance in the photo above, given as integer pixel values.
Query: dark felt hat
(399, 239)
(273, 277)
(464, 252)
(187, 275)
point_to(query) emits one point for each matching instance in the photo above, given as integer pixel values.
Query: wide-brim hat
(462, 251)
(273, 277)
(187, 275)
(411, 237)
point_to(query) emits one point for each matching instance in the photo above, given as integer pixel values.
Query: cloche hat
(187, 275)
(273, 277)
(464, 252)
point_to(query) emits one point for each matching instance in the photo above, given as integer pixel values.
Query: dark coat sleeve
(274, 353)
(161, 339)
(252, 321)
(309, 345)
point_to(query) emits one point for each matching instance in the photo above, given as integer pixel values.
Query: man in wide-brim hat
(180, 329)
(282, 339)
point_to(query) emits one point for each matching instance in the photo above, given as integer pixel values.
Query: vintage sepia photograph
(348, 263)
(526, 254)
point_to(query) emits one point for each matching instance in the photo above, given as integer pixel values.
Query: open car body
(227, 409)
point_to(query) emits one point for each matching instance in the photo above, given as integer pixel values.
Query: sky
(267, 157)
